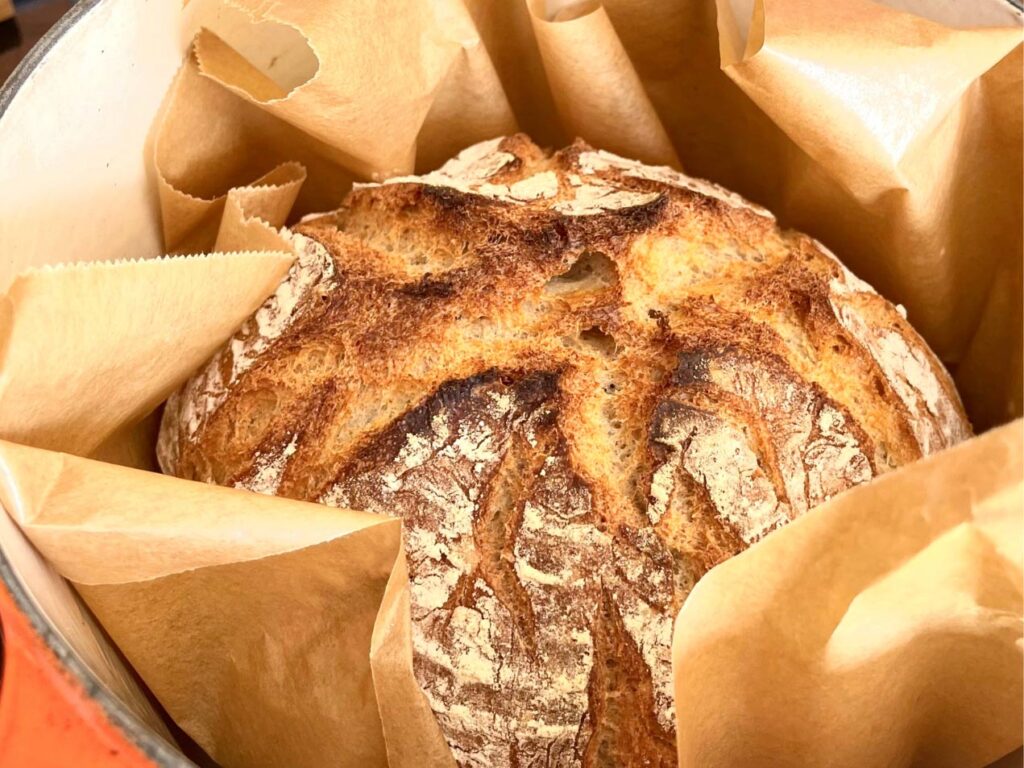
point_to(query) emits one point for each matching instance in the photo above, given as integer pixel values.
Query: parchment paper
(917, 613)
(885, 628)
(230, 605)
(237, 622)
(91, 348)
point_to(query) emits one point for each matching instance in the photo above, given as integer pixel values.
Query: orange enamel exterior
(47, 719)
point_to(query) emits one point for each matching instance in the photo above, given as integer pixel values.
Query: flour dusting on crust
(595, 162)
(204, 393)
(475, 657)
(571, 433)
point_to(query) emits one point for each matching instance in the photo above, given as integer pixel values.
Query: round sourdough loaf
(581, 382)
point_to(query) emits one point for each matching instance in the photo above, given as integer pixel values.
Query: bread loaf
(581, 382)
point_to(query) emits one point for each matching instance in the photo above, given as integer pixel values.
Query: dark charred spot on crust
(667, 411)
(534, 388)
(567, 158)
(448, 200)
(545, 419)
(460, 399)
(841, 344)
(448, 210)
(607, 227)
(430, 287)
(640, 218)
(692, 367)
(508, 172)
(542, 240)
(661, 319)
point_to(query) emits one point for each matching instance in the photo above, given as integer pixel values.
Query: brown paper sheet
(317, 127)
(119, 336)
(902, 597)
(88, 349)
(470, 103)
(367, 103)
(874, 133)
(171, 565)
(199, 162)
(261, 602)
(901, 134)
(596, 89)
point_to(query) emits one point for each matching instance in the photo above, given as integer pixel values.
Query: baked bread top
(581, 382)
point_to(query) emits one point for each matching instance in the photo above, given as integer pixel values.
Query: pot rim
(135, 731)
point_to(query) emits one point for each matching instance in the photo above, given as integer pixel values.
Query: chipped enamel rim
(152, 746)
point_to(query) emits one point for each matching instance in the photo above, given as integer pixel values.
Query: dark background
(17, 35)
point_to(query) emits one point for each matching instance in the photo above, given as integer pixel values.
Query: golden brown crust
(582, 383)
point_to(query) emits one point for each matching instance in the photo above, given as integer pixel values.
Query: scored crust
(581, 382)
